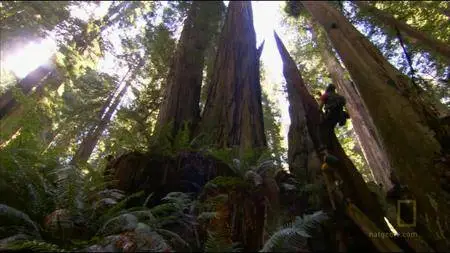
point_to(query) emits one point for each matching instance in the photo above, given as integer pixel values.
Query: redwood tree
(366, 132)
(182, 91)
(33, 79)
(91, 139)
(404, 123)
(233, 112)
(353, 185)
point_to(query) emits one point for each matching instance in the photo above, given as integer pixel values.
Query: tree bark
(233, 110)
(182, 93)
(303, 159)
(32, 80)
(410, 144)
(353, 185)
(417, 37)
(367, 135)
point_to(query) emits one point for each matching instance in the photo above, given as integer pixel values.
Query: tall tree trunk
(417, 37)
(90, 141)
(362, 123)
(36, 78)
(32, 80)
(353, 185)
(411, 146)
(233, 110)
(182, 93)
(303, 159)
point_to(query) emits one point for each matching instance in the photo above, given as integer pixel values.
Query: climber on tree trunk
(334, 107)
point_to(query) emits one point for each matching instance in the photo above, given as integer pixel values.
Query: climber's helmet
(330, 88)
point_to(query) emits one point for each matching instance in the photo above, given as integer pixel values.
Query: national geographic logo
(406, 213)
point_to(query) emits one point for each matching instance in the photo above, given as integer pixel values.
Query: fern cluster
(49, 205)
(293, 236)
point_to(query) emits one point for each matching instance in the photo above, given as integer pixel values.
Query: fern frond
(287, 239)
(109, 193)
(181, 199)
(218, 242)
(206, 216)
(34, 245)
(13, 215)
(182, 140)
(119, 224)
(145, 215)
(113, 211)
(155, 242)
(265, 166)
(147, 199)
(69, 188)
(175, 236)
(293, 236)
(310, 222)
(253, 177)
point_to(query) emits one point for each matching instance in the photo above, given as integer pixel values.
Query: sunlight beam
(30, 57)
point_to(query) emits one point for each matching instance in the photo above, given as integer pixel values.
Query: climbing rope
(407, 56)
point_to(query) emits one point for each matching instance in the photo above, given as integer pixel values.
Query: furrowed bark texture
(182, 93)
(367, 136)
(416, 37)
(410, 144)
(233, 110)
(354, 186)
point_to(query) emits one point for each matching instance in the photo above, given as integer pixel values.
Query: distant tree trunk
(91, 139)
(233, 110)
(303, 159)
(417, 37)
(411, 146)
(32, 80)
(210, 57)
(362, 123)
(182, 93)
(353, 185)
(43, 73)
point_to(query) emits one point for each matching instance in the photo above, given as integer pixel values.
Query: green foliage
(11, 215)
(82, 199)
(293, 8)
(35, 246)
(229, 183)
(217, 242)
(346, 137)
(293, 236)
(36, 181)
(135, 122)
(160, 46)
(23, 22)
(431, 69)
(7, 80)
(272, 127)
(174, 210)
